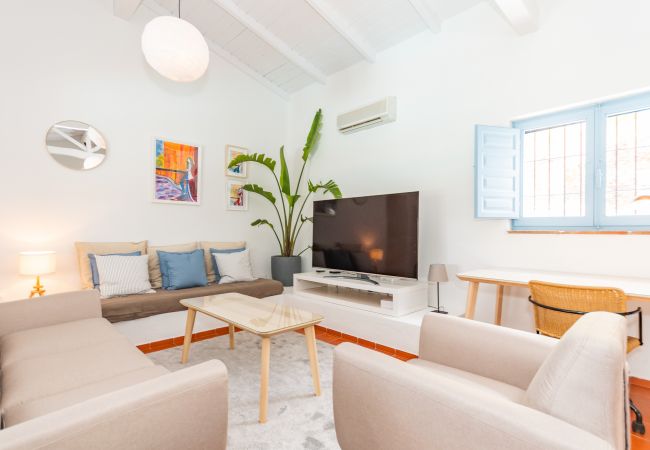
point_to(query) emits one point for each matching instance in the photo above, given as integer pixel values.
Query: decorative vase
(283, 268)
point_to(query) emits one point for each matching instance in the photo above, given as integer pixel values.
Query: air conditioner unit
(372, 115)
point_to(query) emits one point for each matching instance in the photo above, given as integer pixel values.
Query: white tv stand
(400, 296)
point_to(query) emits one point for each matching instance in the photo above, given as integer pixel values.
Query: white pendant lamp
(175, 48)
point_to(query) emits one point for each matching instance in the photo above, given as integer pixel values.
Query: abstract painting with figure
(177, 173)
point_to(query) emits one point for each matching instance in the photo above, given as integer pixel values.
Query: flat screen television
(377, 234)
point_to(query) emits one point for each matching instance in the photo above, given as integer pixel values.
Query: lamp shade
(37, 263)
(438, 273)
(175, 49)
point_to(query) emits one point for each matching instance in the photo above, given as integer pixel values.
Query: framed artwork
(177, 174)
(240, 170)
(236, 196)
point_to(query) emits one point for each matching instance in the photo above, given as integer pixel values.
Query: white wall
(72, 59)
(477, 70)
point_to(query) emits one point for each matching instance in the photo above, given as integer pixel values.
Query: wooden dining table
(636, 289)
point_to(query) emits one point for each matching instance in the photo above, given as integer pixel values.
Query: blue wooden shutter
(497, 167)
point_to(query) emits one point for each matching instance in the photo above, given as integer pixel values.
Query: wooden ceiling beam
(522, 15)
(343, 28)
(125, 8)
(429, 17)
(271, 39)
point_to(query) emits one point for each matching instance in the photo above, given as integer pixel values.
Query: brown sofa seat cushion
(118, 309)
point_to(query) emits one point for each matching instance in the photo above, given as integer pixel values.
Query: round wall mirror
(76, 145)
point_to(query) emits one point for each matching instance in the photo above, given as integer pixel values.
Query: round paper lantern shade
(175, 49)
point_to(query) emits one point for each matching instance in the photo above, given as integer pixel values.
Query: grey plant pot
(283, 268)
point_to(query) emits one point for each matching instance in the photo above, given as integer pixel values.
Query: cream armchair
(480, 386)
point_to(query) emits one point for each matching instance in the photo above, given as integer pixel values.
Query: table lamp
(437, 274)
(37, 264)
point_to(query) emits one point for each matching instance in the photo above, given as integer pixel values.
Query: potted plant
(291, 203)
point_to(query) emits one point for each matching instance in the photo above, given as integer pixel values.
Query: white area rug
(297, 419)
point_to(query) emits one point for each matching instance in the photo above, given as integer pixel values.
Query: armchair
(477, 385)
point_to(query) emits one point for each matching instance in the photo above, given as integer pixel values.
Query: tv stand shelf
(400, 296)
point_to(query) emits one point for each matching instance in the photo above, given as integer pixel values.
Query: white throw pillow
(123, 275)
(234, 266)
(588, 363)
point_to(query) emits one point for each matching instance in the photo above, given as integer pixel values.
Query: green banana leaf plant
(290, 199)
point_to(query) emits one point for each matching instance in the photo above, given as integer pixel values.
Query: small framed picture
(177, 172)
(240, 170)
(236, 196)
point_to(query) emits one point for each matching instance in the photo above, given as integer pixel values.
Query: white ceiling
(290, 44)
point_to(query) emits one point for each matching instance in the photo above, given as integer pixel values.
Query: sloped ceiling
(289, 44)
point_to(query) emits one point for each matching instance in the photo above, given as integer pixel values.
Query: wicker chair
(557, 307)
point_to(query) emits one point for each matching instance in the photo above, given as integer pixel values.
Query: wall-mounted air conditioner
(372, 115)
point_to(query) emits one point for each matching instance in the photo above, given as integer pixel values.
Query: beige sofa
(480, 386)
(71, 381)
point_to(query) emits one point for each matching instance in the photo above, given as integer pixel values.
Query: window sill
(615, 232)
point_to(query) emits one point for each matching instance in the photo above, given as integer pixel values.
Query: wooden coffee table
(260, 317)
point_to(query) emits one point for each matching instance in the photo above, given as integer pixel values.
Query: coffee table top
(254, 315)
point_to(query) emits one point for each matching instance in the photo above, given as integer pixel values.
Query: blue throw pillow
(214, 260)
(93, 264)
(182, 270)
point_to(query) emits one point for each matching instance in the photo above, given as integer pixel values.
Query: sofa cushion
(30, 379)
(487, 385)
(182, 270)
(122, 275)
(54, 339)
(207, 245)
(43, 405)
(234, 267)
(102, 248)
(131, 307)
(215, 266)
(587, 363)
(155, 277)
(93, 265)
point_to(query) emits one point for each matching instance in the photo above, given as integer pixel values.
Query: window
(627, 163)
(584, 168)
(554, 171)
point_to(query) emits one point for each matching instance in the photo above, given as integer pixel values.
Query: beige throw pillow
(207, 245)
(588, 363)
(102, 248)
(155, 277)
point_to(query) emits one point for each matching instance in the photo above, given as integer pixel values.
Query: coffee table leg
(189, 327)
(310, 336)
(264, 385)
(231, 332)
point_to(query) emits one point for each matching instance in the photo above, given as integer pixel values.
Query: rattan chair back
(577, 298)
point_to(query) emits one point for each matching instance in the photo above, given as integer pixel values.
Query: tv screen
(377, 234)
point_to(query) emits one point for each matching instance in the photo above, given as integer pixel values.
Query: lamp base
(38, 288)
(439, 311)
